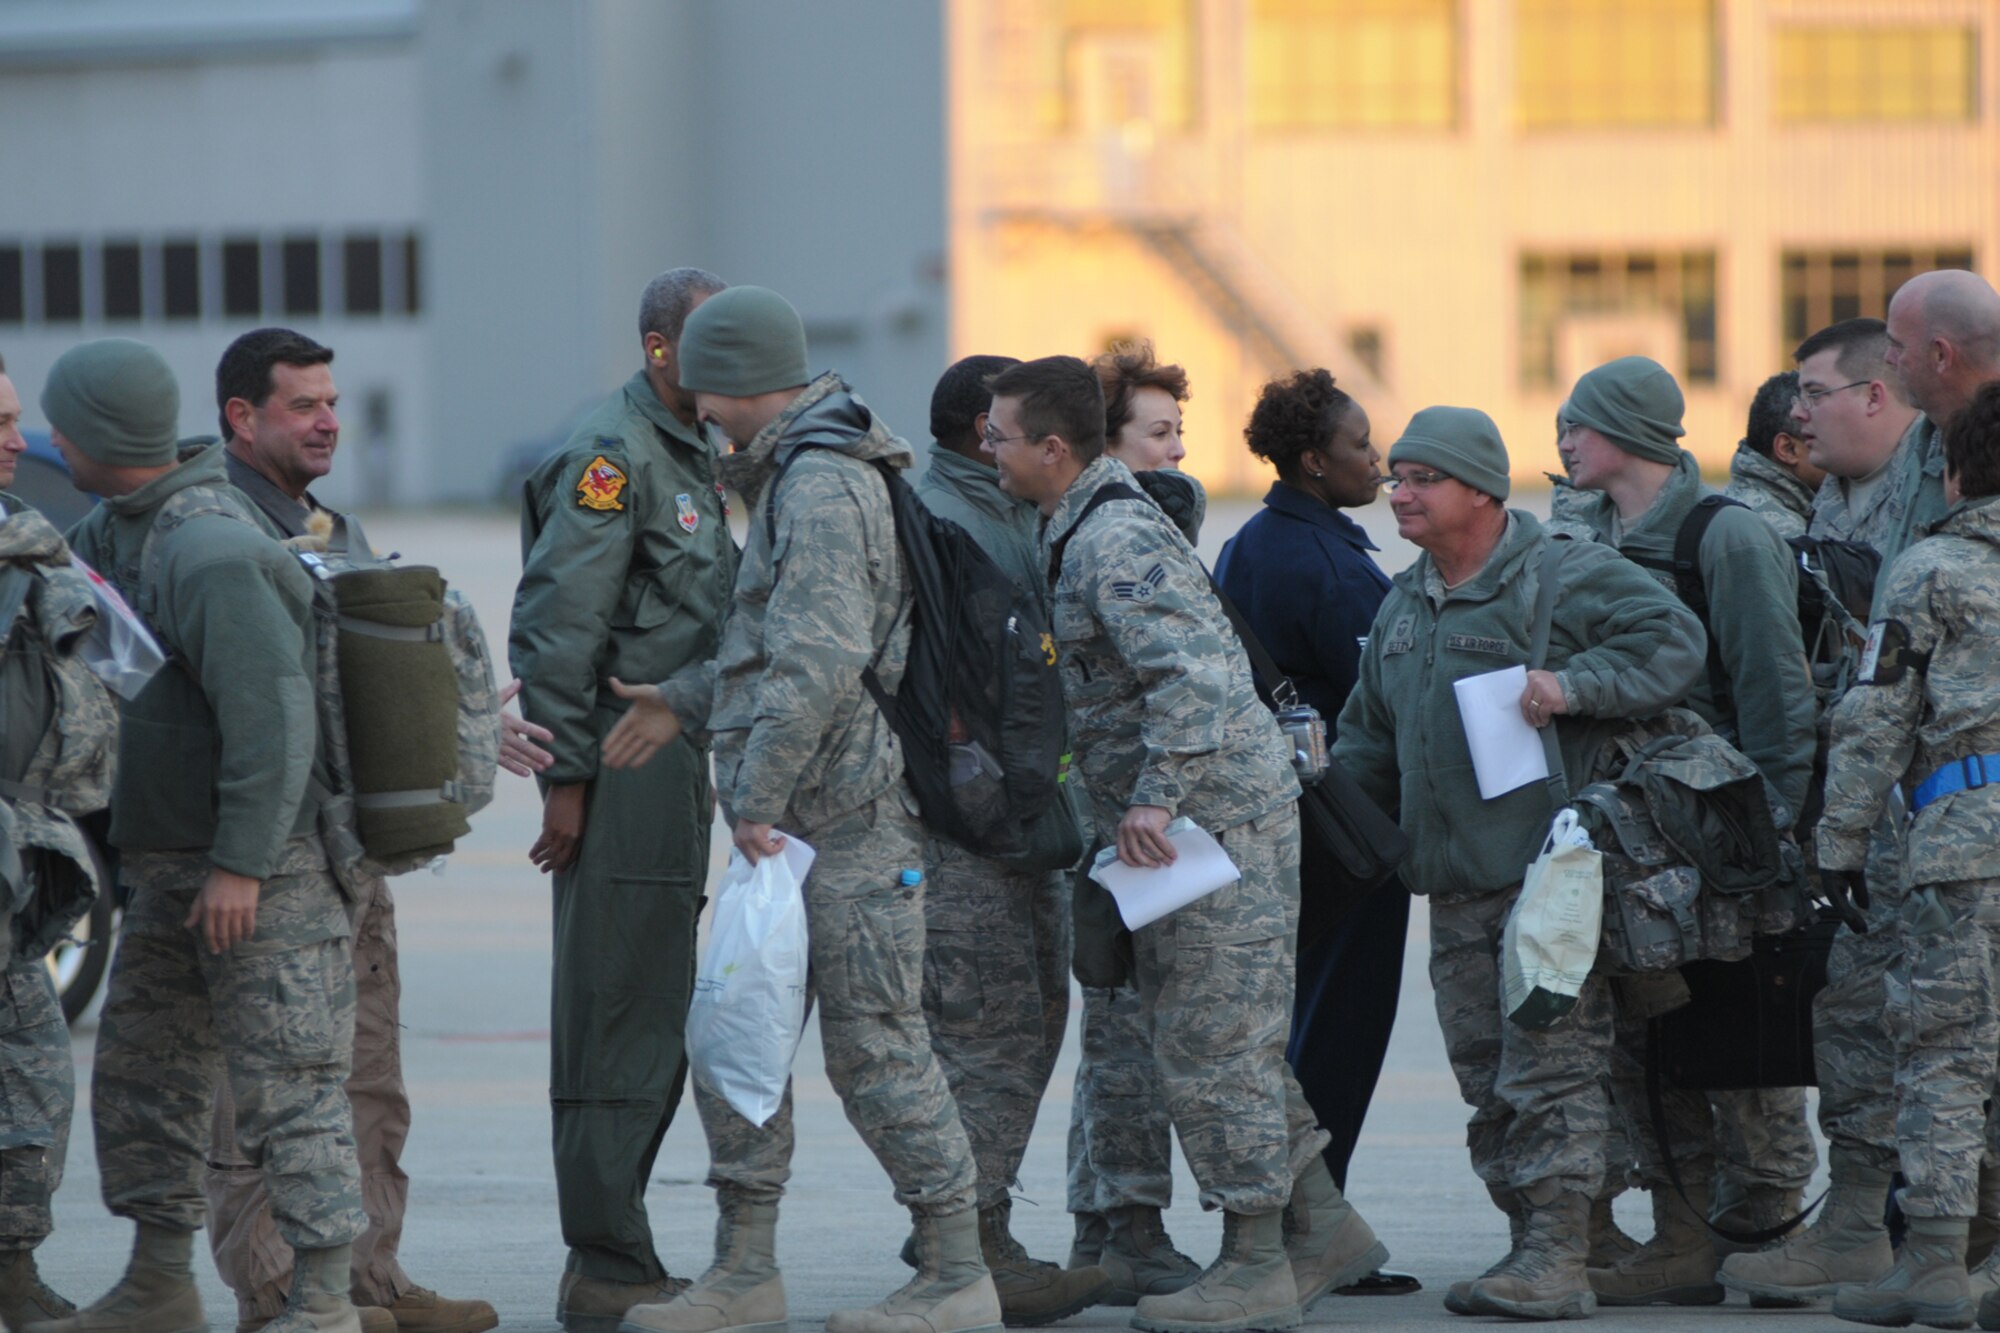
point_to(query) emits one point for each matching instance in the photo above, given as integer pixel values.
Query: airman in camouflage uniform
(216, 754)
(1165, 722)
(55, 763)
(1620, 646)
(1923, 718)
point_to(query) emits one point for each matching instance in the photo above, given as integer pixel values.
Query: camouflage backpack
(409, 718)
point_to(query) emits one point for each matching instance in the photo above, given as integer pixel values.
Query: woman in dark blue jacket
(1301, 573)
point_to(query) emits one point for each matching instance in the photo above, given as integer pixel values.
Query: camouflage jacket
(798, 740)
(1620, 644)
(217, 752)
(60, 739)
(1773, 494)
(1941, 598)
(1753, 617)
(1908, 502)
(626, 567)
(1158, 692)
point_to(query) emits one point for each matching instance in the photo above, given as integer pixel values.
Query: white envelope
(1506, 751)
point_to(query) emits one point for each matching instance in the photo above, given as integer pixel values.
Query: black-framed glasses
(1812, 398)
(1423, 481)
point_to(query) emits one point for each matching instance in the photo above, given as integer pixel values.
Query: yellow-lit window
(1822, 287)
(1561, 290)
(1583, 63)
(1830, 73)
(1353, 64)
(1117, 64)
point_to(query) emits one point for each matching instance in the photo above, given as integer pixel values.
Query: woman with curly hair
(1301, 573)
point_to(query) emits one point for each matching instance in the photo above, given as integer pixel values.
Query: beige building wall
(1081, 211)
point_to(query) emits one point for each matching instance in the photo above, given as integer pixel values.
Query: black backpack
(980, 707)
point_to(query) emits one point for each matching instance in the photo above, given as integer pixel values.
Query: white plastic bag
(1550, 943)
(119, 648)
(749, 1006)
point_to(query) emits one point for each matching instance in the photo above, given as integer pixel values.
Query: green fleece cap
(741, 342)
(116, 400)
(1634, 403)
(1460, 442)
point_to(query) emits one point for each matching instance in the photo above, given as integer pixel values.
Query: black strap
(1116, 490)
(1553, 549)
(1685, 566)
(1656, 1109)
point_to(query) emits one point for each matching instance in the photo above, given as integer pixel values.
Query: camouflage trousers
(996, 997)
(1539, 1107)
(274, 1014)
(1217, 979)
(1941, 1016)
(249, 1253)
(1851, 1043)
(37, 1096)
(1120, 1136)
(866, 943)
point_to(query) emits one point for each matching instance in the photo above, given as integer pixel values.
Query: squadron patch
(1402, 636)
(1140, 590)
(1475, 643)
(690, 516)
(600, 485)
(1889, 655)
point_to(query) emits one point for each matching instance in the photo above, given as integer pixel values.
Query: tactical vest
(409, 718)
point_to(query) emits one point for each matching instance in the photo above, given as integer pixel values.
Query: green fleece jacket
(217, 752)
(1621, 645)
(1753, 620)
(968, 493)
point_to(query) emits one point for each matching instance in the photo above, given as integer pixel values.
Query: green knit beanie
(1634, 403)
(1461, 442)
(116, 400)
(741, 342)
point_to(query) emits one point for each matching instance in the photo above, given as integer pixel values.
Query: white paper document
(1144, 896)
(1506, 751)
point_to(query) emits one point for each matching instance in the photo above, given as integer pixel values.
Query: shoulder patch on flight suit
(1140, 590)
(690, 517)
(600, 485)
(1401, 635)
(1475, 643)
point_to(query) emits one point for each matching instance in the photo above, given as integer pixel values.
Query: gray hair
(664, 306)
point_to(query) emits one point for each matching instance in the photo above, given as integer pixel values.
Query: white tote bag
(1552, 934)
(749, 1006)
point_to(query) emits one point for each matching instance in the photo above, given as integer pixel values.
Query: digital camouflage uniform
(1162, 712)
(1931, 702)
(55, 762)
(627, 563)
(214, 761)
(251, 1256)
(1760, 1136)
(800, 745)
(997, 943)
(1622, 647)
(1772, 493)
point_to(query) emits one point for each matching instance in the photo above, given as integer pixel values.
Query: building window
(242, 279)
(301, 274)
(1822, 287)
(180, 273)
(123, 291)
(1842, 73)
(1121, 64)
(1580, 310)
(1353, 64)
(62, 283)
(13, 287)
(1635, 63)
(361, 274)
(412, 288)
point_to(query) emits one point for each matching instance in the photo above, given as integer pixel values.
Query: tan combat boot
(1608, 1241)
(1980, 1243)
(24, 1298)
(951, 1293)
(1458, 1297)
(1329, 1244)
(1248, 1286)
(1088, 1247)
(1140, 1258)
(1546, 1277)
(742, 1291)
(1032, 1291)
(421, 1310)
(1677, 1266)
(251, 1319)
(1846, 1246)
(598, 1305)
(1985, 1277)
(156, 1295)
(318, 1301)
(1758, 1208)
(1928, 1284)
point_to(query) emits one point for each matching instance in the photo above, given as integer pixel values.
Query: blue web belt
(1968, 774)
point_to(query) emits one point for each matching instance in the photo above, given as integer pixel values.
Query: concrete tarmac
(482, 1216)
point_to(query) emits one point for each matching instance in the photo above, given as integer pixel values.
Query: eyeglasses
(995, 441)
(1422, 481)
(1812, 398)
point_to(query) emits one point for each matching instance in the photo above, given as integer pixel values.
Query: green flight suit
(627, 567)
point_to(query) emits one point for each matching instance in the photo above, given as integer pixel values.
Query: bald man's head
(1944, 339)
